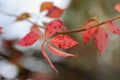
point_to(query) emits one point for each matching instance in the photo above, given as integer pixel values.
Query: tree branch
(84, 29)
(67, 31)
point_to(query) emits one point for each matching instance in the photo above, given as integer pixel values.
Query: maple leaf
(47, 58)
(63, 41)
(117, 7)
(29, 39)
(113, 27)
(101, 39)
(53, 11)
(53, 27)
(23, 16)
(59, 52)
(87, 34)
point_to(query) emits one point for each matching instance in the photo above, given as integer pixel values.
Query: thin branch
(67, 31)
(8, 14)
(84, 29)
(13, 15)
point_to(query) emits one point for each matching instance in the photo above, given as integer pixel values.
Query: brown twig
(84, 29)
(67, 31)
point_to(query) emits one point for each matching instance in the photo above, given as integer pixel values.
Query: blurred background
(29, 64)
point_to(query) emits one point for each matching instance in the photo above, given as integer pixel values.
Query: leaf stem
(84, 29)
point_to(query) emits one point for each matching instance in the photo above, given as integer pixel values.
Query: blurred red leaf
(63, 41)
(1, 30)
(101, 39)
(53, 11)
(53, 27)
(29, 39)
(117, 7)
(59, 52)
(47, 58)
(87, 34)
(113, 27)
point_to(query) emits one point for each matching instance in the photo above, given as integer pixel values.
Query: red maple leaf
(29, 39)
(113, 27)
(47, 58)
(53, 27)
(88, 34)
(53, 11)
(101, 39)
(59, 52)
(63, 41)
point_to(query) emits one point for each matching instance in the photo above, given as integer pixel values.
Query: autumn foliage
(55, 36)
